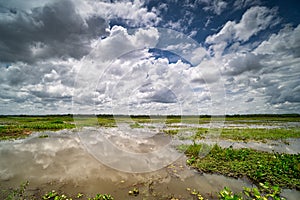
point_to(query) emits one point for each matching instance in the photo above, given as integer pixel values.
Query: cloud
(136, 78)
(41, 87)
(263, 79)
(53, 30)
(254, 20)
(281, 58)
(284, 44)
(244, 62)
(120, 42)
(62, 29)
(279, 77)
(132, 13)
(51, 50)
(250, 99)
(106, 65)
(215, 6)
(239, 4)
(164, 95)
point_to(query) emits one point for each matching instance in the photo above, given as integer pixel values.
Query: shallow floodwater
(64, 163)
(288, 146)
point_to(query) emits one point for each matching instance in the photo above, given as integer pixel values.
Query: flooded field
(116, 160)
(60, 162)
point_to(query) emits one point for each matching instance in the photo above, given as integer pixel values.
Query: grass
(171, 131)
(260, 134)
(277, 169)
(89, 120)
(244, 134)
(17, 127)
(13, 127)
(136, 125)
(238, 134)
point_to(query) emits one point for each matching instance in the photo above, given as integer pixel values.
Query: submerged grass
(277, 169)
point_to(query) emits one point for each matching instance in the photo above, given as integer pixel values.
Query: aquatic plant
(16, 194)
(134, 192)
(53, 195)
(44, 136)
(264, 192)
(277, 169)
(102, 197)
(136, 125)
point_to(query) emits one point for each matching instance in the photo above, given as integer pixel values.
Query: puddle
(62, 162)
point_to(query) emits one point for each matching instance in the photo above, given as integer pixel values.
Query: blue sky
(149, 56)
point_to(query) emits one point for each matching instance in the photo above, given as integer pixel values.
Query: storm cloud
(53, 30)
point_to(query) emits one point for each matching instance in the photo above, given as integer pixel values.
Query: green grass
(89, 120)
(16, 127)
(277, 169)
(13, 127)
(245, 134)
(263, 118)
(260, 134)
(136, 125)
(171, 131)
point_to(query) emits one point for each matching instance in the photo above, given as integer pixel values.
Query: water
(64, 163)
(288, 146)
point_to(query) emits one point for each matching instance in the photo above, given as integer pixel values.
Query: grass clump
(277, 169)
(136, 125)
(44, 136)
(171, 131)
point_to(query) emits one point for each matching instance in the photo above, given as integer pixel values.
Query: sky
(183, 57)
